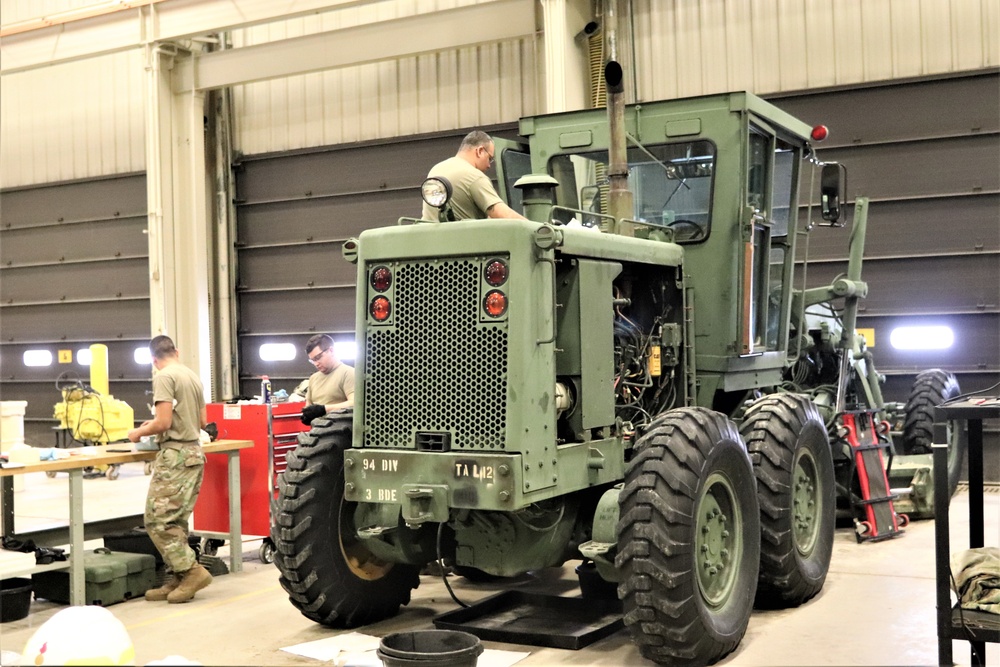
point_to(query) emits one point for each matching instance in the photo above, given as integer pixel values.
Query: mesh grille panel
(440, 369)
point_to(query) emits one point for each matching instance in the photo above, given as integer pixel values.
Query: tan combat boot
(160, 594)
(192, 581)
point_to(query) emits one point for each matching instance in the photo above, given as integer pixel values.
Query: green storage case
(110, 578)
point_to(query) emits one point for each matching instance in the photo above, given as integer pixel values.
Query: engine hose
(444, 571)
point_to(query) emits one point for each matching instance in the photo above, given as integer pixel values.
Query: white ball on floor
(87, 635)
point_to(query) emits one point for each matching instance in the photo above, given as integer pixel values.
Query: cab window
(671, 185)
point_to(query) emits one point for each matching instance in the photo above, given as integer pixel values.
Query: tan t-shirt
(332, 387)
(182, 387)
(472, 192)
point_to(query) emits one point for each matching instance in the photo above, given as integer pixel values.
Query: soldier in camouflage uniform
(179, 405)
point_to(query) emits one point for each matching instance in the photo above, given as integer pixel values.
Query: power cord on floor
(444, 570)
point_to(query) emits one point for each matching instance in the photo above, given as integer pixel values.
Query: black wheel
(210, 545)
(931, 388)
(329, 574)
(793, 463)
(688, 539)
(266, 551)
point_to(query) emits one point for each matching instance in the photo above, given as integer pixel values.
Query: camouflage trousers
(173, 489)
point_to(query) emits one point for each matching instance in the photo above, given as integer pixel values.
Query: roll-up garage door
(73, 271)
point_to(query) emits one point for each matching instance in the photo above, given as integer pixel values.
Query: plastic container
(15, 599)
(11, 423)
(430, 648)
(592, 585)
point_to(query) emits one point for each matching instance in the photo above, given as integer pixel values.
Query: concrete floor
(877, 607)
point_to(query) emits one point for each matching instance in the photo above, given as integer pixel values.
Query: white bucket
(11, 423)
(12, 431)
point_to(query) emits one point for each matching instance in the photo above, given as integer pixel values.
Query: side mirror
(832, 189)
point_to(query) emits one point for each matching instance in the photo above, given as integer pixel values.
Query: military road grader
(636, 375)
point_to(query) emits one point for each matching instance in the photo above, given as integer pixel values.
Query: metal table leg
(235, 513)
(7, 490)
(77, 568)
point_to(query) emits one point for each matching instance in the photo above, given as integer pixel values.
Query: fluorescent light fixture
(277, 352)
(84, 357)
(922, 338)
(142, 356)
(37, 358)
(346, 350)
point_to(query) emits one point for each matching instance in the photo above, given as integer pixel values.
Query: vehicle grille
(439, 369)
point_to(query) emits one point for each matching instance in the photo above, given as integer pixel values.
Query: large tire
(327, 572)
(931, 388)
(688, 539)
(793, 463)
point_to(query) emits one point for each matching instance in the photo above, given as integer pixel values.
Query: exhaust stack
(619, 196)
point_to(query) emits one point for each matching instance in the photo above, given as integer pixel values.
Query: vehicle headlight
(436, 191)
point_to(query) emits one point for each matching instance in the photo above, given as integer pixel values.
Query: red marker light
(381, 278)
(819, 133)
(380, 308)
(495, 303)
(496, 273)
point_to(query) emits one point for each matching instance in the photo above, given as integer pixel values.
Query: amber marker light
(496, 272)
(381, 278)
(380, 308)
(495, 303)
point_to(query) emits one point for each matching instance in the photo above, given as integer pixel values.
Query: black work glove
(213, 431)
(311, 412)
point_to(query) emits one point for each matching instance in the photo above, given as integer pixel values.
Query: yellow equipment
(90, 413)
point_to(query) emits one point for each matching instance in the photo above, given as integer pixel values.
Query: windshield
(671, 184)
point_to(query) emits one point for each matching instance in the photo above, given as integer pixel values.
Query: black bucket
(15, 599)
(430, 648)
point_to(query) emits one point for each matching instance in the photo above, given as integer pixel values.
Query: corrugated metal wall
(84, 119)
(695, 47)
(73, 271)
(484, 85)
(73, 121)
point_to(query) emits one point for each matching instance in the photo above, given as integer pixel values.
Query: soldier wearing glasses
(473, 194)
(331, 387)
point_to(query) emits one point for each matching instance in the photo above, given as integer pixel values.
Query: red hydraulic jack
(867, 444)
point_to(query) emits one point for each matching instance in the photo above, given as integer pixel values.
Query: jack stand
(880, 521)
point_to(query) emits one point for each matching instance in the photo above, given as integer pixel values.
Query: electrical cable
(444, 570)
(960, 397)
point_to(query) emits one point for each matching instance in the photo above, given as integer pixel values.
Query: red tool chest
(274, 431)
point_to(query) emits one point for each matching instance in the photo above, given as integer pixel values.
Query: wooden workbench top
(83, 457)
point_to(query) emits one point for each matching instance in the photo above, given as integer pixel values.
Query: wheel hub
(718, 542)
(805, 502)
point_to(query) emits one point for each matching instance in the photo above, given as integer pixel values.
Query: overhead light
(277, 352)
(142, 356)
(345, 350)
(84, 357)
(922, 338)
(37, 358)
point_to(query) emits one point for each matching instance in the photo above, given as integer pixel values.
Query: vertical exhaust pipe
(619, 196)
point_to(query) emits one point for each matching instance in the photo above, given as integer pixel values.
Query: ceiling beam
(133, 26)
(373, 42)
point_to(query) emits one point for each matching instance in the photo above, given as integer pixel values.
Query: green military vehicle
(635, 376)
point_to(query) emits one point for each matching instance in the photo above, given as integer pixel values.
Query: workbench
(952, 622)
(97, 456)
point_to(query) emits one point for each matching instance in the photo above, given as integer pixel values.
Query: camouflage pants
(173, 489)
